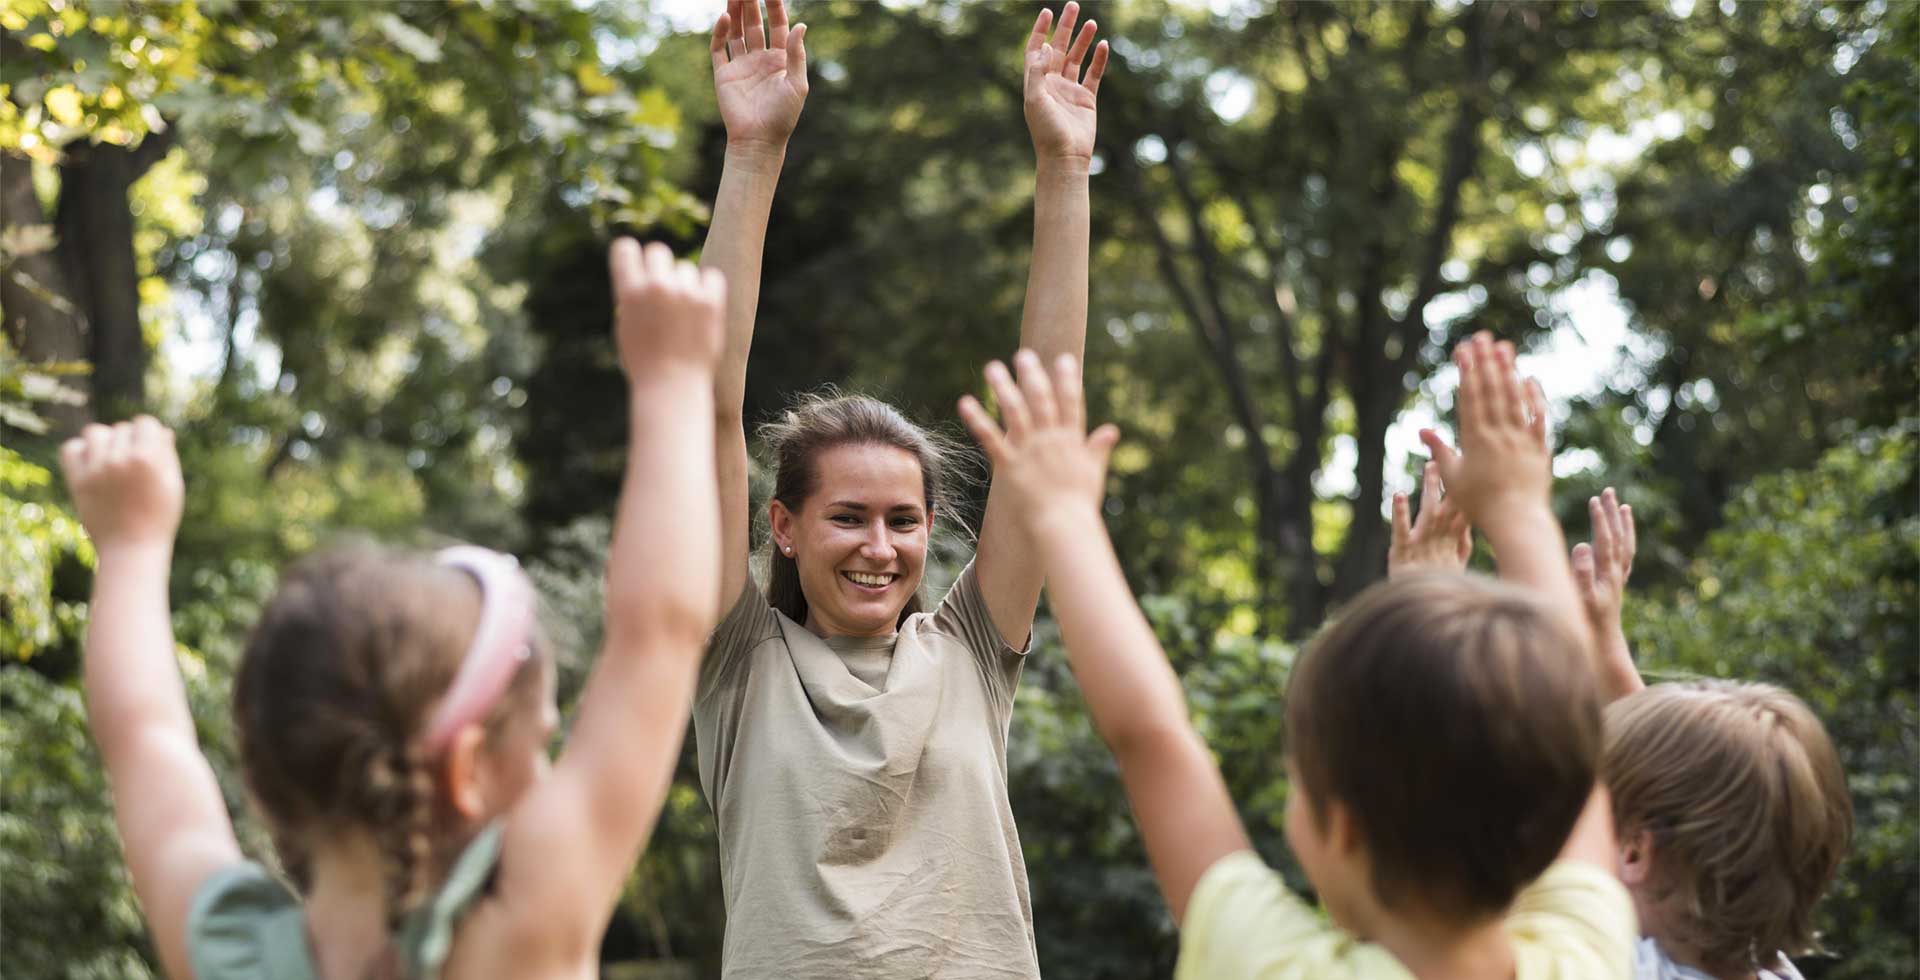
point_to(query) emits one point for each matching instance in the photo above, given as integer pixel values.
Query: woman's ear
(462, 774)
(780, 520)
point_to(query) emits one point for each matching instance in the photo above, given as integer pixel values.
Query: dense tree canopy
(354, 253)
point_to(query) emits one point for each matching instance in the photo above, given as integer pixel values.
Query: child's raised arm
(1438, 537)
(173, 821)
(1502, 476)
(1600, 571)
(1053, 475)
(570, 844)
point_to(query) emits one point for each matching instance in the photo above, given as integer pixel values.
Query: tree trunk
(95, 223)
(41, 320)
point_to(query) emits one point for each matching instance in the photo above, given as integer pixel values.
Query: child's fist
(126, 484)
(666, 314)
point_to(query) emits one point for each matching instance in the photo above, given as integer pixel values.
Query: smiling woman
(853, 746)
(855, 492)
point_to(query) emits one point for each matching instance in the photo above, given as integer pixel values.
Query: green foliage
(1813, 583)
(69, 903)
(39, 537)
(377, 250)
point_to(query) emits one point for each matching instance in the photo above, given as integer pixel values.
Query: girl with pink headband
(394, 709)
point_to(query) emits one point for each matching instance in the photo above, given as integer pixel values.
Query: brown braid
(342, 670)
(400, 784)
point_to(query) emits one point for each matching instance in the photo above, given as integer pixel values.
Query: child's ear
(1636, 858)
(462, 776)
(1343, 835)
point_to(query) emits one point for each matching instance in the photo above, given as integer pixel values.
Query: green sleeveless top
(245, 923)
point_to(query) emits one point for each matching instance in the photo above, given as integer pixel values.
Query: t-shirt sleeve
(721, 692)
(1575, 922)
(745, 626)
(229, 922)
(963, 615)
(1243, 922)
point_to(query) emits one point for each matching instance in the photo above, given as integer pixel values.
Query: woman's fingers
(1039, 35)
(776, 24)
(756, 35)
(717, 49)
(1078, 52)
(797, 57)
(1097, 69)
(1063, 31)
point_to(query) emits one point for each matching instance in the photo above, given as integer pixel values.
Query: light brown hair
(354, 649)
(827, 420)
(1747, 806)
(1457, 720)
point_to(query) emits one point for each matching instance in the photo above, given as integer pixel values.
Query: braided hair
(337, 679)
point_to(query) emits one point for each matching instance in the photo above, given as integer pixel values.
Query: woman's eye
(846, 520)
(906, 523)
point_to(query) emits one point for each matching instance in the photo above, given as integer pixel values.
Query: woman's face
(860, 540)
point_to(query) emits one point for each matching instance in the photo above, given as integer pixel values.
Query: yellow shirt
(1574, 923)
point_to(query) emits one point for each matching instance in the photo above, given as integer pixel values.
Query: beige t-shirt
(860, 789)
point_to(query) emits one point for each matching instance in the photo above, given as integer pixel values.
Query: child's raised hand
(666, 314)
(1044, 456)
(1504, 464)
(126, 485)
(1600, 569)
(1438, 537)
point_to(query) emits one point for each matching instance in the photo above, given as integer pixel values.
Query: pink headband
(501, 644)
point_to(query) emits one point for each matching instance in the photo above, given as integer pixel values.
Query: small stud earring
(789, 551)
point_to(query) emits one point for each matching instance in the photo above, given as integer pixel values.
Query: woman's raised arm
(1061, 112)
(760, 81)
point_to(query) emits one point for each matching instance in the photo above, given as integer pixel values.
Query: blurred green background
(354, 254)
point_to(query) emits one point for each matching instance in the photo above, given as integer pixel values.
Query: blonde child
(1729, 802)
(393, 709)
(1444, 732)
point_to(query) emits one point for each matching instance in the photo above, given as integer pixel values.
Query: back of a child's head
(354, 649)
(1742, 796)
(1457, 722)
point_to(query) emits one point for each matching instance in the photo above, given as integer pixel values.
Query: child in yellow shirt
(1444, 732)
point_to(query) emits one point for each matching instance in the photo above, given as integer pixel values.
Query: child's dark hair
(822, 421)
(338, 677)
(1746, 803)
(1457, 720)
